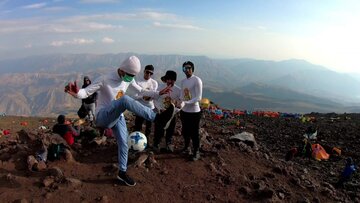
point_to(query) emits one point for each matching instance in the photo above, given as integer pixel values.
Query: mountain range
(34, 85)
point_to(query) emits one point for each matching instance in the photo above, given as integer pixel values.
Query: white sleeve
(143, 92)
(137, 95)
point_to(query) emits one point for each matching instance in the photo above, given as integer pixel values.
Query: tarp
(24, 123)
(319, 153)
(246, 137)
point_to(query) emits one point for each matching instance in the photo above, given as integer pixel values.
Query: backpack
(55, 151)
(82, 112)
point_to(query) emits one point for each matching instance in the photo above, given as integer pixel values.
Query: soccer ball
(137, 141)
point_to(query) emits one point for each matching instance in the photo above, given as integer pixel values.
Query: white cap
(131, 65)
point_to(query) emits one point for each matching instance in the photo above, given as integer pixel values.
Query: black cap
(170, 75)
(61, 119)
(149, 67)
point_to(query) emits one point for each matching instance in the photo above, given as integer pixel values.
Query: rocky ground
(229, 171)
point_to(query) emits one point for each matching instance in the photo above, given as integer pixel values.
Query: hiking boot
(196, 156)
(122, 176)
(170, 148)
(164, 118)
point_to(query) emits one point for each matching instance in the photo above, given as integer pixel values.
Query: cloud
(35, 6)
(143, 15)
(157, 15)
(41, 26)
(107, 40)
(98, 1)
(57, 8)
(76, 41)
(177, 26)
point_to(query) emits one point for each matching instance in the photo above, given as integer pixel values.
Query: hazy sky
(324, 32)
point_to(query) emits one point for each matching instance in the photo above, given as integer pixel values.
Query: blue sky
(324, 32)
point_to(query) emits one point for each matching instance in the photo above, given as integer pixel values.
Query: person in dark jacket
(89, 103)
(65, 130)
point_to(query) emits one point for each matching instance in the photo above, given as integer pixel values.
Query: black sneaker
(186, 151)
(164, 118)
(122, 176)
(170, 148)
(196, 156)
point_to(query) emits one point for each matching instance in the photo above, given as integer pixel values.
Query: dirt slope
(227, 172)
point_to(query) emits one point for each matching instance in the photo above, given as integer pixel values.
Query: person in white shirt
(112, 102)
(149, 84)
(161, 104)
(190, 114)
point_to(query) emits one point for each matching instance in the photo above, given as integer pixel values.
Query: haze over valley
(34, 85)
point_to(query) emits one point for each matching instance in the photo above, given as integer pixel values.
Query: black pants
(138, 125)
(159, 132)
(190, 128)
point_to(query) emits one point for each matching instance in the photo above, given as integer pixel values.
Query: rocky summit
(232, 167)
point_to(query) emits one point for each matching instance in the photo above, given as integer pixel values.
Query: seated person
(65, 130)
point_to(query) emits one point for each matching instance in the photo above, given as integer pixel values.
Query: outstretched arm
(150, 93)
(74, 91)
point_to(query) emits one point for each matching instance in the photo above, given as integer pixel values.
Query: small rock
(68, 156)
(327, 192)
(244, 190)
(260, 185)
(316, 200)
(104, 199)
(10, 177)
(265, 193)
(269, 175)
(48, 195)
(48, 181)
(210, 197)
(277, 169)
(73, 182)
(164, 172)
(281, 195)
(285, 171)
(114, 167)
(295, 181)
(328, 185)
(21, 201)
(56, 172)
(303, 200)
(31, 161)
(41, 166)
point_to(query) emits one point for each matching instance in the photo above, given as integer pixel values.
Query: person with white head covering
(112, 102)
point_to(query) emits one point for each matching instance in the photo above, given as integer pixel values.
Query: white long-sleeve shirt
(110, 87)
(149, 84)
(174, 94)
(191, 94)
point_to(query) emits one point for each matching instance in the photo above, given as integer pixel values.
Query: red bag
(69, 137)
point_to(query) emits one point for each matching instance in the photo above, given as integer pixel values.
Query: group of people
(154, 103)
